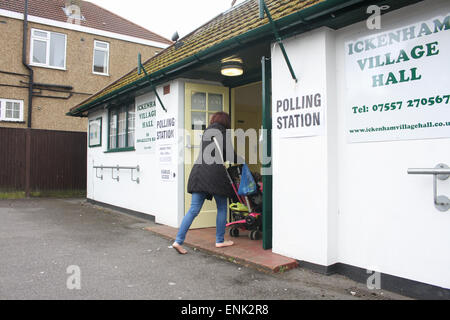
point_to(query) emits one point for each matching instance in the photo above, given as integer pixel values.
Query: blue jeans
(196, 205)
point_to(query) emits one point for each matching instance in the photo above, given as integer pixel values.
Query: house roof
(229, 25)
(94, 17)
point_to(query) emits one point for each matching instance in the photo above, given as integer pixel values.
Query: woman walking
(208, 179)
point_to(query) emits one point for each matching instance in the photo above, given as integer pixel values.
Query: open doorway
(247, 116)
(252, 109)
(247, 208)
(249, 107)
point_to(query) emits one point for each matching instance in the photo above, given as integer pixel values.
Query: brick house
(72, 53)
(53, 55)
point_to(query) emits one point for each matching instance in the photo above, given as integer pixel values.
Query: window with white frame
(101, 58)
(48, 49)
(11, 110)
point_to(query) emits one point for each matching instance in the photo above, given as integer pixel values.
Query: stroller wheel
(234, 232)
(250, 221)
(254, 235)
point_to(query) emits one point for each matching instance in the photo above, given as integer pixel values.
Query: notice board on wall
(166, 135)
(145, 127)
(397, 83)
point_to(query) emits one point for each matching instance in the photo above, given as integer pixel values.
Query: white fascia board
(75, 27)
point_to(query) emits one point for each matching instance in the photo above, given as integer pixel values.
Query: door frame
(266, 82)
(207, 220)
(267, 152)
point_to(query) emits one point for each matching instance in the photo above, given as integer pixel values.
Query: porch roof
(233, 29)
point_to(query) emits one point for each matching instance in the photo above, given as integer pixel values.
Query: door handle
(189, 146)
(441, 172)
(188, 142)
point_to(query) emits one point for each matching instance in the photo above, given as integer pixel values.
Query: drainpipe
(30, 102)
(24, 62)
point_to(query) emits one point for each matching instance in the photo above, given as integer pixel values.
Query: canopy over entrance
(239, 30)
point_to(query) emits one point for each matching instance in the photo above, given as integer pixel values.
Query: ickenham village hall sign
(397, 83)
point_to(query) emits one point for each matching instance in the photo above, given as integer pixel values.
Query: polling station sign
(300, 115)
(299, 108)
(166, 136)
(397, 83)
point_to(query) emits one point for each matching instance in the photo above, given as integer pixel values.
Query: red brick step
(244, 251)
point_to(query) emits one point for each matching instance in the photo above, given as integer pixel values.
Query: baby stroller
(245, 210)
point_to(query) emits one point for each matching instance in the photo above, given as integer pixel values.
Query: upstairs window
(11, 110)
(101, 58)
(48, 49)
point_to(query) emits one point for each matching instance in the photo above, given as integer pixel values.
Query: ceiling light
(232, 67)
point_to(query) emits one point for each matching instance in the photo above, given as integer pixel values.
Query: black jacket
(208, 174)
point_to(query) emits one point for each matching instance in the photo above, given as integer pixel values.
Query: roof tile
(95, 17)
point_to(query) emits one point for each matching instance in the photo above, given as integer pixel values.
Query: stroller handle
(228, 174)
(221, 157)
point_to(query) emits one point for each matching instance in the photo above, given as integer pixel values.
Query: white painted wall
(164, 200)
(387, 220)
(355, 203)
(304, 172)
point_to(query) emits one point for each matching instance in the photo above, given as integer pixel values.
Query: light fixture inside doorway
(232, 67)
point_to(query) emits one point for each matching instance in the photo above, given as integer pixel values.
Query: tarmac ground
(53, 249)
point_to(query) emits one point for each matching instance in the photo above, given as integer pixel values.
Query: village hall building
(353, 98)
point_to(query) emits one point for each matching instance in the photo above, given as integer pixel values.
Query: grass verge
(9, 195)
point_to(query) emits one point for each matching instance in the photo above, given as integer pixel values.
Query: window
(101, 58)
(121, 126)
(11, 110)
(48, 49)
(95, 133)
(131, 121)
(203, 106)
